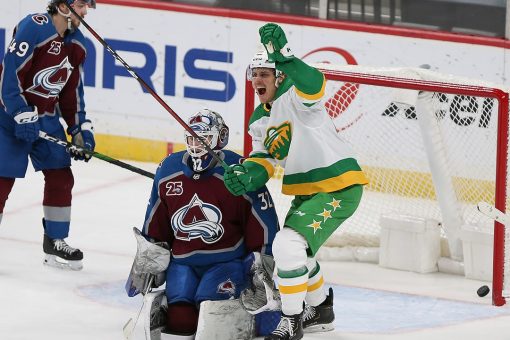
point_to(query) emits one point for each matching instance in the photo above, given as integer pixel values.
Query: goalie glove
(261, 296)
(151, 259)
(274, 40)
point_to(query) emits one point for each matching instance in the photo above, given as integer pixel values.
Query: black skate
(60, 255)
(289, 328)
(321, 317)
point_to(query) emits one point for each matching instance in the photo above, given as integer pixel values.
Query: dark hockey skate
(289, 328)
(321, 317)
(60, 255)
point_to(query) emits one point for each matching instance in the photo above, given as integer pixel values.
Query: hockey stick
(494, 213)
(148, 88)
(130, 325)
(74, 147)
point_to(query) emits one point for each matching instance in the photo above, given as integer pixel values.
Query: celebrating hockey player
(215, 238)
(292, 127)
(40, 81)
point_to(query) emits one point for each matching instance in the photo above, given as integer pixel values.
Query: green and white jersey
(297, 132)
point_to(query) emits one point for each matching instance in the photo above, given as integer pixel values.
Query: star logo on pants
(316, 225)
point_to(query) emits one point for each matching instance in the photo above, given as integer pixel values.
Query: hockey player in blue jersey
(216, 239)
(40, 81)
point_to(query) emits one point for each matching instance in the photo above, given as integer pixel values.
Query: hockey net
(432, 146)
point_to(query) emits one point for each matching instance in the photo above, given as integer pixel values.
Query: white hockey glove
(151, 259)
(262, 295)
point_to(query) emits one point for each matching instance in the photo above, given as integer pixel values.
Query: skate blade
(319, 328)
(57, 262)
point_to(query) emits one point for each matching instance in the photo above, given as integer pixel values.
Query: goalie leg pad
(152, 318)
(225, 320)
(168, 336)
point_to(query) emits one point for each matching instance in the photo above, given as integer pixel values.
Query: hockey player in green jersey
(292, 128)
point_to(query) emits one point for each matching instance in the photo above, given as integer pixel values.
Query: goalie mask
(211, 128)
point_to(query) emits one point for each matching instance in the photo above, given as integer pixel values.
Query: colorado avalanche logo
(198, 220)
(227, 287)
(50, 81)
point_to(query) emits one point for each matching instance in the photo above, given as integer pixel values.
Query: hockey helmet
(260, 59)
(211, 127)
(52, 5)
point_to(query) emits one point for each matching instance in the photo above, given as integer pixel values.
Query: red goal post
(432, 145)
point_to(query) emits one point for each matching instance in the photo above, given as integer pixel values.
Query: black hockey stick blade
(74, 147)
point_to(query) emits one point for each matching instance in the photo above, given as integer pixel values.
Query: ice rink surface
(41, 303)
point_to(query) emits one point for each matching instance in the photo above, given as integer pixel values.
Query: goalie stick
(71, 146)
(148, 88)
(494, 213)
(130, 325)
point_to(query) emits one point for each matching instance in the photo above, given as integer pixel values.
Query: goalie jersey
(42, 69)
(201, 220)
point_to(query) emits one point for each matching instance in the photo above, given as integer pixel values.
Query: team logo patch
(198, 220)
(227, 287)
(40, 19)
(278, 140)
(50, 81)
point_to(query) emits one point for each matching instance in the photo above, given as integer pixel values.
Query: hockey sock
(182, 318)
(5, 188)
(292, 285)
(315, 292)
(57, 202)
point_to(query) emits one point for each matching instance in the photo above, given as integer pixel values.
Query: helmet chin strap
(67, 16)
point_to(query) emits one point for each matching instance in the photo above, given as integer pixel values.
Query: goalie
(220, 243)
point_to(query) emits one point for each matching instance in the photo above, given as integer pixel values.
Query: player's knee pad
(289, 249)
(5, 188)
(58, 184)
(182, 318)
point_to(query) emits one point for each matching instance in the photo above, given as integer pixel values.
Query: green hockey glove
(232, 182)
(252, 175)
(274, 40)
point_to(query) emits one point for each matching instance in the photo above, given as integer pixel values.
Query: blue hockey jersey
(201, 220)
(42, 69)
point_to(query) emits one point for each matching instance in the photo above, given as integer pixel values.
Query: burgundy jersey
(42, 69)
(201, 220)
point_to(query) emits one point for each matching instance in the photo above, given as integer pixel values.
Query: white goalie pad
(152, 318)
(226, 320)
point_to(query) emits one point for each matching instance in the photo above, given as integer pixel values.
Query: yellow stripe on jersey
(313, 97)
(328, 185)
(265, 163)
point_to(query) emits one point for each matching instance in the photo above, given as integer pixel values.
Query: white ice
(41, 303)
